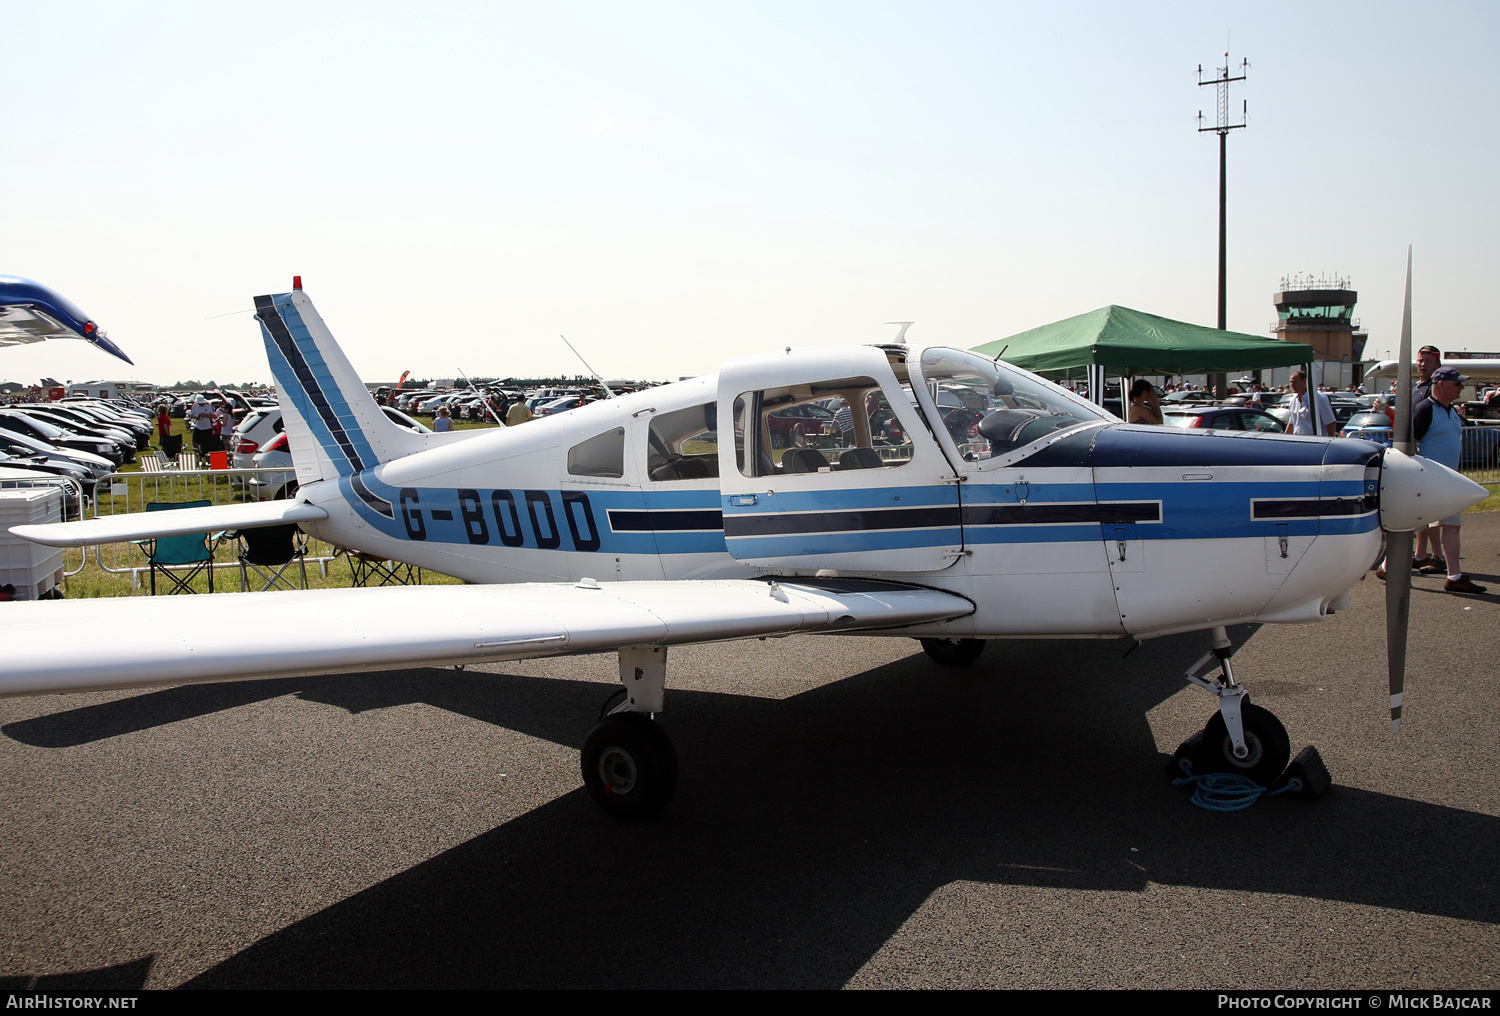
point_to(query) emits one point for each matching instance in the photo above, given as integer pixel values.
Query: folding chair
(269, 551)
(193, 549)
(365, 570)
(171, 446)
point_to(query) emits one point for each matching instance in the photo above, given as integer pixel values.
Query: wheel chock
(1307, 776)
(1185, 757)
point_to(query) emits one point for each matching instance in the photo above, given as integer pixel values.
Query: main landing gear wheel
(953, 652)
(629, 765)
(1270, 748)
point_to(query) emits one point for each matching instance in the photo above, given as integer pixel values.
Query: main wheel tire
(953, 652)
(1269, 747)
(629, 765)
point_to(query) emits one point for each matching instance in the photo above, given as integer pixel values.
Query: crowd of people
(210, 422)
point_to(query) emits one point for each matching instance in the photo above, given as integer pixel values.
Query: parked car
(26, 447)
(86, 425)
(1370, 426)
(787, 425)
(24, 474)
(1223, 418)
(562, 405)
(43, 430)
(258, 428)
(277, 453)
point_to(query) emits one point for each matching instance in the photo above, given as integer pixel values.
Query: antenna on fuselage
(900, 339)
(485, 397)
(607, 393)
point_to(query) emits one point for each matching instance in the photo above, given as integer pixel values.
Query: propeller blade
(1399, 544)
(1397, 616)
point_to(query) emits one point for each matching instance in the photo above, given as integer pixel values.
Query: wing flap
(149, 525)
(127, 642)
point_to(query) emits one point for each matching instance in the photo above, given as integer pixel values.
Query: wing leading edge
(91, 645)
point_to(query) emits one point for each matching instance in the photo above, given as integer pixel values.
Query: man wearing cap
(1437, 426)
(1300, 420)
(1428, 360)
(201, 418)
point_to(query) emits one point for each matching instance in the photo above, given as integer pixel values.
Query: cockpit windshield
(991, 409)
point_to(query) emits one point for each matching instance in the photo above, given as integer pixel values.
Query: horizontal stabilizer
(128, 642)
(149, 525)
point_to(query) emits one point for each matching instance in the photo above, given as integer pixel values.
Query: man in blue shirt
(1428, 360)
(1437, 426)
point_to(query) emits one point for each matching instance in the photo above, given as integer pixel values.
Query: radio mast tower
(1222, 127)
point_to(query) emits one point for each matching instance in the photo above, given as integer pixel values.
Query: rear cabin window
(684, 444)
(603, 455)
(826, 427)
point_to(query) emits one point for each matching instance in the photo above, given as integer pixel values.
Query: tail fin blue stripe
(304, 376)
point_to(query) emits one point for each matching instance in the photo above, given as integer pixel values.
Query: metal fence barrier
(1480, 451)
(126, 493)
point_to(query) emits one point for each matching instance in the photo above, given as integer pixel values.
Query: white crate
(30, 567)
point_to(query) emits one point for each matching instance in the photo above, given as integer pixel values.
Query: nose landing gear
(1240, 737)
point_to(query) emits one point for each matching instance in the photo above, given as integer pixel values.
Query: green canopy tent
(1128, 343)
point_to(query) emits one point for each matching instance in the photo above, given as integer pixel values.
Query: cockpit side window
(602, 455)
(824, 427)
(684, 444)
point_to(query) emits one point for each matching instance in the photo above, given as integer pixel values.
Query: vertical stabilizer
(332, 421)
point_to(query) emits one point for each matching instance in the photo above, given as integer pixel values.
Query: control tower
(1319, 312)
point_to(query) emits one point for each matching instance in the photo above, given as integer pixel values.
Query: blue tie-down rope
(1228, 791)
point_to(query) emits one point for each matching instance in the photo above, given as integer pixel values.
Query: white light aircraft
(1485, 370)
(808, 490)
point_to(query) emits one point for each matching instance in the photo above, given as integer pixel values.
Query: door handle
(742, 500)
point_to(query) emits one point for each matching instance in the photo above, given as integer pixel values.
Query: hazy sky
(672, 184)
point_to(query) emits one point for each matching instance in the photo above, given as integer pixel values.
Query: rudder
(333, 423)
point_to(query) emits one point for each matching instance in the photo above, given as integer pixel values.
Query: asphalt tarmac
(849, 814)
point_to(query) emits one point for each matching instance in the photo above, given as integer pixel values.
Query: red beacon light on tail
(296, 282)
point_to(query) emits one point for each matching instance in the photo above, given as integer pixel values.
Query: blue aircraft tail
(30, 312)
(333, 423)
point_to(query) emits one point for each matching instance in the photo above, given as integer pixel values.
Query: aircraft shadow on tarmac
(806, 831)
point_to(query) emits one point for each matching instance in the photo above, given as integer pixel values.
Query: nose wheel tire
(953, 652)
(629, 765)
(1269, 747)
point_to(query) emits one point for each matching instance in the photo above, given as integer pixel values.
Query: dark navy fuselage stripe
(703, 520)
(1059, 514)
(1312, 507)
(370, 498)
(841, 522)
(266, 310)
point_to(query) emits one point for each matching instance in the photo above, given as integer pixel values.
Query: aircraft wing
(149, 525)
(89, 645)
(1483, 370)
